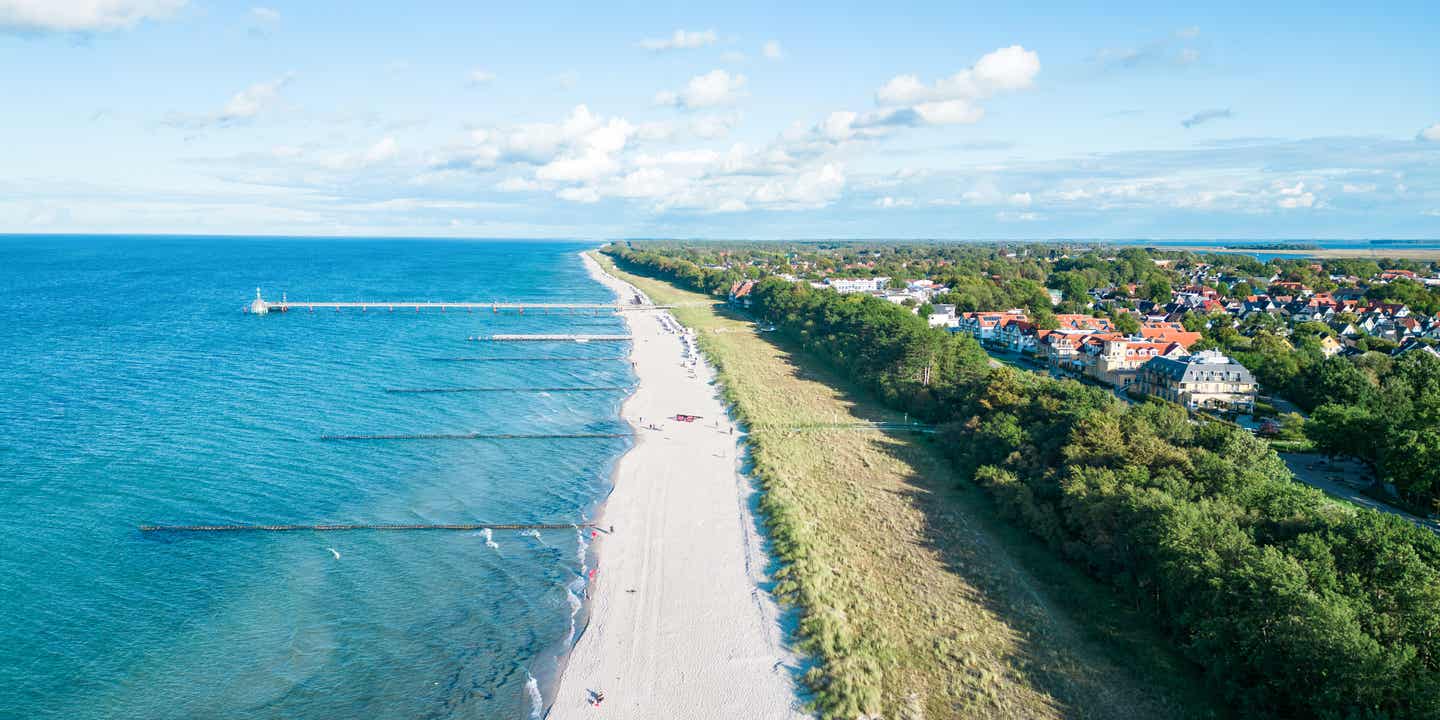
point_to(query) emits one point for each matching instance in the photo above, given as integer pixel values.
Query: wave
(575, 605)
(537, 703)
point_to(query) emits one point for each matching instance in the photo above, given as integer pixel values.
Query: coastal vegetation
(1293, 604)
(915, 599)
(1374, 413)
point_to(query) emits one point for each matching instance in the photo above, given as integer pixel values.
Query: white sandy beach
(679, 627)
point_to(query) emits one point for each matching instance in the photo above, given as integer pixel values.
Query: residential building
(1207, 380)
(1119, 361)
(1169, 332)
(943, 316)
(983, 326)
(857, 285)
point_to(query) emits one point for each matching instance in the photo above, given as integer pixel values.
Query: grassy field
(916, 601)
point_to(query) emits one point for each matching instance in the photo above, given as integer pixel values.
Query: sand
(679, 627)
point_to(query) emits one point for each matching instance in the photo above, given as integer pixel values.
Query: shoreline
(1387, 252)
(677, 624)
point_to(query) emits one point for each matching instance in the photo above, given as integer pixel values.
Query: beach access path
(679, 626)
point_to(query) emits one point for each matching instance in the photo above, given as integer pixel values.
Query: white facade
(854, 285)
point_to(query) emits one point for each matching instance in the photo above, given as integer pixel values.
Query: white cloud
(900, 90)
(584, 195)
(480, 77)
(953, 100)
(717, 87)
(985, 192)
(949, 112)
(1352, 188)
(810, 189)
(1295, 197)
(681, 40)
(840, 125)
(1431, 133)
(772, 51)
(265, 15)
(83, 15)
(1011, 68)
(890, 203)
(582, 148)
(383, 151)
(252, 100)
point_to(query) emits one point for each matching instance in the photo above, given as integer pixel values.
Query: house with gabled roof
(983, 325)
(1169, 332)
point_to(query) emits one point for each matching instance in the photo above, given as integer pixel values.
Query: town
(1146, 338)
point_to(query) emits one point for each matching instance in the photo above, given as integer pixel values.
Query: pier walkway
(261, 306)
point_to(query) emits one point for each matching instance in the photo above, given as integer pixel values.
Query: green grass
(916, 600)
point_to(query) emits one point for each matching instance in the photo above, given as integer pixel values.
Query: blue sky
(735, 120)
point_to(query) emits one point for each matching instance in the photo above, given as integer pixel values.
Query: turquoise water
(134, 391)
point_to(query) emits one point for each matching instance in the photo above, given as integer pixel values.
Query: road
(1319, 478)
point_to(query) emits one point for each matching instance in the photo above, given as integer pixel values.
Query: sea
(1288, 249)
(134, 390)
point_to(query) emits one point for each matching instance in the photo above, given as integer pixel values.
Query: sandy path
(679, 628)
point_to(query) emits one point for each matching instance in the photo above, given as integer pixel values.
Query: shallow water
(134, 391)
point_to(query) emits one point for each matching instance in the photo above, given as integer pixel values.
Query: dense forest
(1294, 605)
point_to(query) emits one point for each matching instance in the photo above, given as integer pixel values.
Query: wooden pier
(597, 358)
(261, 306)
(363, 526)
(549, 338)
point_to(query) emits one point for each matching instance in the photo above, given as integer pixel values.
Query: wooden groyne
(530, 359)
(480, 436)
(549, 338)
(363, 526)
(601, 388)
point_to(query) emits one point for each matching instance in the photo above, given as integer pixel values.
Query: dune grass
(916, 601)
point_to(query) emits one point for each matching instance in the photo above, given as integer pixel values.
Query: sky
(1026, 120)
